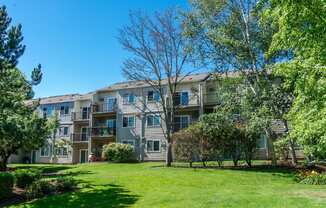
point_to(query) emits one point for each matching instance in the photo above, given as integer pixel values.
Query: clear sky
(75, 40)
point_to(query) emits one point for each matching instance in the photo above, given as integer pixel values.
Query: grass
(152, 185)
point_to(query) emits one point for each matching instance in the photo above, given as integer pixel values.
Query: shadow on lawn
(109, 195)
(280, 170)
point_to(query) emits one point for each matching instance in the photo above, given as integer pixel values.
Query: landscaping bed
(20, 185)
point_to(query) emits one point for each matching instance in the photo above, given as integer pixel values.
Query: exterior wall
(76, 151)
(65, 121)
(202, 98)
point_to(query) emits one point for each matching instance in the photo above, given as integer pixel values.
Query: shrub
(185, 146)
(117, 152)
(314, 179)
(6, 184)
(282, 149)
(65, 184)
(46, 186)
(26, 177)
(34, 190)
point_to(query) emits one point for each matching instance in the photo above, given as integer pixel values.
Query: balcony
(104, 107)
(80, 137)
(210, 98)
(65, 117)
(103, 132)
(80, 116)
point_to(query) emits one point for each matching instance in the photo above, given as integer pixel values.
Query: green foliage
(65, 184)
(282, 148)
(47, 187)
(315, 179)
(34, 190)
(6, 184)
(117, 152)
(302, 25)
(132, 185)
(40, 188)
(26, 177)
(229, 35)
(20, 128)
(187, 144)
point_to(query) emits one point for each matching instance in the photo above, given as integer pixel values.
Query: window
(111, 123)
(44, 112)
(64, 110)
(261, 142)
(62, 151)
(153, 145)
(129, 98)
(64, 131)
(111, 103)
(181, 122)
(85, 113)
(45, 151)
(84, 134)
(181, 98)
(128, 121)
(153, 96)
(47, 111)
(153, 121)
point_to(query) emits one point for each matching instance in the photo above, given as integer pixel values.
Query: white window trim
(48, 155)
(180, 97)
(153, 146)
(152, 101)
(62, 155)
(130, 127)
(179, 116)
(62, 135)
(81, 133)
(128, 102)
(154, 126)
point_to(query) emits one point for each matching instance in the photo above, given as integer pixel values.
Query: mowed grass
(152, 185)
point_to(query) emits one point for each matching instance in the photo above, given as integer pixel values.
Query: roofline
(135, 87)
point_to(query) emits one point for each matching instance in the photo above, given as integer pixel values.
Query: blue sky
(75, 40)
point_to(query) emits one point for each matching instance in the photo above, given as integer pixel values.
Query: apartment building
(63, 106)
(126, 112)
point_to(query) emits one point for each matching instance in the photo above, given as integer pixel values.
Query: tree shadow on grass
(109, 195)
(283, 171)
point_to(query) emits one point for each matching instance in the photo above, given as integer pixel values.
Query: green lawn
(152, 185)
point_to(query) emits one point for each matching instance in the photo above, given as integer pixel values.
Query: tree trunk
(293, 155)
(3, 163)
(270, 149)
(292, 148)
(169, 155)
(204, 163)
(235, 162)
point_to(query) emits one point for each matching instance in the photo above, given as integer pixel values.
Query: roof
(56, 99)
(87, 96)
(138, 84)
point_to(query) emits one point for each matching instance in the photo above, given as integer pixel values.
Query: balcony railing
(65, 117)
(104, 107)
(80, 137)
(79, 116)
(103, 131)
(210, 98)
